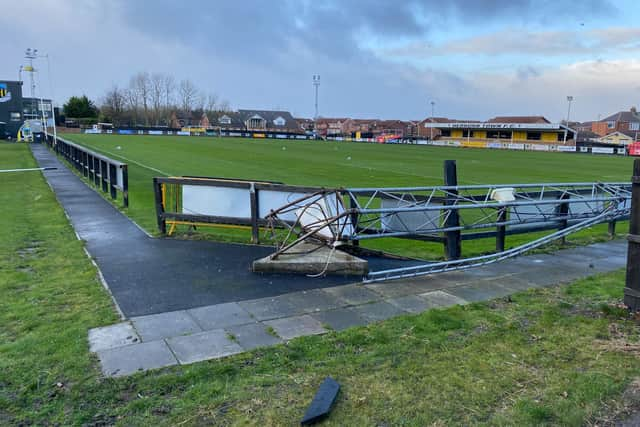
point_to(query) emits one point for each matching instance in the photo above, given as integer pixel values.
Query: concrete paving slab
(165, 325)
(313, 301)
(442, 299)
(512, 282)
(479, 292)
(355, 294)
(121, 361)
(252, 335)
(410, 303)
(112, 336)
(378, 311)
(203, 346)
(271, 308)
(401, 287)
(220, 316)
(340, 318)
(293, 327)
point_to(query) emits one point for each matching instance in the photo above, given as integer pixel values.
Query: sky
(388, 59)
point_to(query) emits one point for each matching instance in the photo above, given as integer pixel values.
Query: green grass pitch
(340, 164)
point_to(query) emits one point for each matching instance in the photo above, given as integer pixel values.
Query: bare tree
(188, 94)
(114, 105)
(141, 85)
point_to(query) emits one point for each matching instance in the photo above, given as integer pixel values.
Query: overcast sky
(377, 59)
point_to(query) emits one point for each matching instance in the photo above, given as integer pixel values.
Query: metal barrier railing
(220, 201)
(105, 173)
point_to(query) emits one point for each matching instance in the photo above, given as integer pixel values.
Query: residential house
(331, 126)
(619, 138)
(269, 120)
(424, 132)
(180, 119)
(305, 125)
(622, 121)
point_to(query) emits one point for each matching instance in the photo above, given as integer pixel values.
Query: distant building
(517, 129)
(11, 107)
(619, 138)
(269, 120)
(331, 126)
(305, 125)
(181, 119)
(622, 121)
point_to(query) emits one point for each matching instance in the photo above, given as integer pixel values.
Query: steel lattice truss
(398, 212)
(422, 212)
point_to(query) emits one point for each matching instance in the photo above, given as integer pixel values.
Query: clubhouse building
(505, 129)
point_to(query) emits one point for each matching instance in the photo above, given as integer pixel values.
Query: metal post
(255, 230)
(562, 211)
(113, 177)
(632, 285)
(104, 174)
(157, 190)
(502, 230)
(453, 240)
(612, 229)
(353, 203)
(125, 185)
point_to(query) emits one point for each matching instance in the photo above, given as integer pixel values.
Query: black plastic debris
(322, 401)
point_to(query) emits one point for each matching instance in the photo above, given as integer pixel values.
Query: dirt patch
(624, 412)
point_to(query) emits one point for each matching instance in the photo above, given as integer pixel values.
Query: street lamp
(433, 103)
(569, 100)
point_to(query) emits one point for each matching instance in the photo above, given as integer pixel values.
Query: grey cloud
(521, 42)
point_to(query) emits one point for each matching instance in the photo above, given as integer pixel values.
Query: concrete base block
(308, 258)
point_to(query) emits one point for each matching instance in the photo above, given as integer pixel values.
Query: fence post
(157, 191)
(125, 185)
(253, 198)
(104, 175)
(563, 211)
(453, 240)
(113, 179)
(612, 229)
(502, 230)
(353, 203)
(632, 285)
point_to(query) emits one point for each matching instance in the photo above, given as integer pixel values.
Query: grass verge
(558, 356)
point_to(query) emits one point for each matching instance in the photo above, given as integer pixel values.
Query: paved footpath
(268, 309)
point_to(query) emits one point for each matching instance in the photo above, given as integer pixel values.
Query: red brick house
(622, 121)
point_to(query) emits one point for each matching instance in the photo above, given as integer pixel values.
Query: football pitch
(340, 164)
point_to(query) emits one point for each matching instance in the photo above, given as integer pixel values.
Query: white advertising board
(407, 221)
(566, 149)
(539, 147)
(515, 146)
(270, 200)
(602, 150)
(216, 201)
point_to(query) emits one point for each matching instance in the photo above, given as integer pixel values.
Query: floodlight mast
(433, 104)
(31, 54)
(316, 84)
(569, 100)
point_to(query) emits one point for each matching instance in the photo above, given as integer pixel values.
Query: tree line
(148, 100)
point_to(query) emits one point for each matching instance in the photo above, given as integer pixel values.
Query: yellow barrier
(473, 144)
